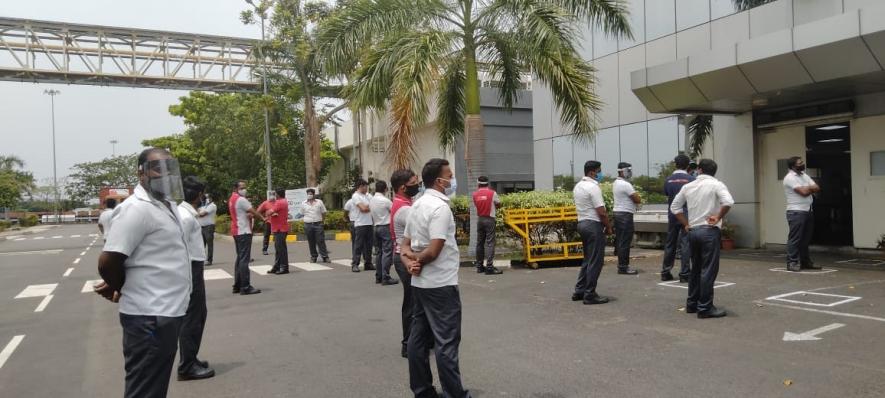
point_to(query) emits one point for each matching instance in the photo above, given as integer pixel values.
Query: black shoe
(793, 267)
(355, 268)
(197, 372)
(577, 296)
(369, 267)
(683, 279)
(207, 263)
(712, 313)
(325, 259)
(666, 277)
(389, 282)
(595, 299)
(491, 270)
(282, 271)
(810, 266)
(377, 281)
(480, 269)
(236, 290)
(249, 290)
(405, 351)
(202, 363)
(272, 271)
(313, 260)
(691, 310)
(627, 271)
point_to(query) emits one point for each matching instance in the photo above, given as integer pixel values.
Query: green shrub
(336, 220)
(296, 227)
(222, 224)
(29, 220)
(4, 225)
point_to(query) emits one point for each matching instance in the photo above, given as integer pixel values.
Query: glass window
(608, 150)
(584, 151)
(722, 8)
(634, 147)
(637, 24)
(663, 143)
(691, 13)
(562, 163)
(585, 44)
(603, 44)
(877, 163)
(660, 18)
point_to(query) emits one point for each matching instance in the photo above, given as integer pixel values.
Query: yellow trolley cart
(522, 222)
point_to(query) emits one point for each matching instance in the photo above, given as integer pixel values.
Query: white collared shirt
(430, 217)
(104, 219)
(209, 219)
(622, 190)
(158, 268)
(380, 206)
(796, 202)
(313, 212)
(588, 197)
(704, 196)
(348, 207)
(359, 218)
(193, 234)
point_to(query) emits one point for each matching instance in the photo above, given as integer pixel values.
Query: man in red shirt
(263, 208)
(486, 201)
(278, 219)
(405, 187)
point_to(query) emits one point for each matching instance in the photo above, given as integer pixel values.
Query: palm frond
(451, 103)
(699, 129)
(504, 66)
(549, 24)
(743, 5)
(609, 15)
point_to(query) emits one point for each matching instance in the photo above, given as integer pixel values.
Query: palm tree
(743, 5)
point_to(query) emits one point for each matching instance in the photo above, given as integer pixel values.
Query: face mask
(242, 192)
(800, 169)
(412, 190)
(599, 176)
(449, 190)
(310, 196)
(163, 179)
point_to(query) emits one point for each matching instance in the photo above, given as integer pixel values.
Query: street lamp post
(114, 147)
(52, 93)
(261, 13)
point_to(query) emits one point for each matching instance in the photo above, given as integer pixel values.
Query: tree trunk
(476, 166)
(312, 164)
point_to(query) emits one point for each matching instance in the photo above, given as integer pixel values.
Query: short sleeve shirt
(380, 207)
(104, 219)
(588, 197)
(359, 218)
(484, 199)
(796, 202)
(209, 218)
(622, 190)
(242, 206)
(193, 235)
(431, 218)
(279, 222)
(313, 212)
(157, 267)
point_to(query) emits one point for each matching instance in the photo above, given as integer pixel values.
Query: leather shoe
(369, 267)
(577, 296)
(491, 270)
(249, 290)
(691, 310)
(666, 277)
(355, 268)
(480, 269)
(313, 260)
(236, 290)
(197, 372)
(389, 282)
(794, 267)
(712, 313)
(203, 363)
(281, 272)
(325, 259)
(377, 281)
(683, 279)
(810, 266)
(595, 299)
(627, 271)
(272, 271)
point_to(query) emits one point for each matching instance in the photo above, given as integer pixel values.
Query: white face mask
(453, 184)
(242, 192)
(310, 196)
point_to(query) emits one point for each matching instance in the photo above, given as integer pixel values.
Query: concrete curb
(339, 237)
(29, 231)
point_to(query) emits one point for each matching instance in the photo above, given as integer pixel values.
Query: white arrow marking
(811, 335)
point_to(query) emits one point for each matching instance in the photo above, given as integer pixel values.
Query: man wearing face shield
(625, 201)
(145, 267)
(241, 215)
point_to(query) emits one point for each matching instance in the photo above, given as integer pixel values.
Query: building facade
(788, 78)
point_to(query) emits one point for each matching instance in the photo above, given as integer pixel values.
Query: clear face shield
(628, 172)
(163, 179)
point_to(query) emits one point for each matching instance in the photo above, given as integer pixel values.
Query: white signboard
(295, 197)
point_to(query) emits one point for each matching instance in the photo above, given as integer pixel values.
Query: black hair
(482, 180)
(681, 161)
(400, 178)
(193, 187)
(432, 170)
(380, 186)
(281, 193)
(237, 184)
(311, 190)
(591, 165)
(110, 203)
(708, 166)
(360, 182)
(791, 162)
(142, 157)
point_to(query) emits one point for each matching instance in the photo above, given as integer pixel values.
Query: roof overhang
(837, 57)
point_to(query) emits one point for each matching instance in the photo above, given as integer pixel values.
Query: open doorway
(828, 160)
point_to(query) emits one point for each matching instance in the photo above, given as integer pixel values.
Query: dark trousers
(677, 241)
(623, 237)
(801, 230)
(362, 245)
(593, 238)
(209, 240)
(705, 243)
(383, 252)
(316, 239)
(485, 241)
(243, 244)
(436, 320)
(406, 278)
(281, 251)
(266, 242)
(149, 345)
(194, 321)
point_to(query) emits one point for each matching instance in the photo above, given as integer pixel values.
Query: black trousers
(281, 251)
(677, 240)
(316, 239)
(243, 243)
(593, 238)
(149, 345)
(705, 244)
(194, 322)
(436, 320)
(801, 230)
(406, 278)
(383, 252)
(209, 240)
(623, 237)
(266, 242)
(362, 245)
(485, 241)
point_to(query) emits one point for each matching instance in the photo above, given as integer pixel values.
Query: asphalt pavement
(323, 331)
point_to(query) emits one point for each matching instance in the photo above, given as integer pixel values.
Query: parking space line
(717, 285)
(819, 311)
(804, 272)
(10, 348)
(310, 266)
(43, 304)
(260, 269)
(845, 299)
(83, 253)
(77, 260)
(68, 272)
(88, 286)
(37, 290)
(75, 236)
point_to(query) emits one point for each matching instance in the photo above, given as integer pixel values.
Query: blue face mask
(599, 176)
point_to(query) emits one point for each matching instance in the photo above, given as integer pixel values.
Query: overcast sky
(88, 117)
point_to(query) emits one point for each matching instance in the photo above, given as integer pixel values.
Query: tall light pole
(262, 13)
(52, 93)
(114, 147)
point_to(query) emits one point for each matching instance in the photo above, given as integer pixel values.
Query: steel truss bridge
(57, 52)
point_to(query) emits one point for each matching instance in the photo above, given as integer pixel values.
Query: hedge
(335, 221)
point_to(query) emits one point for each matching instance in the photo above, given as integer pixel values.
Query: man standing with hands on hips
(241, 215)
(593, 226)
(278, 219)
(799, 189)
(625, 201)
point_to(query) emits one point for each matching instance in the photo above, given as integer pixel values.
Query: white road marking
(20, 239)
(10, 348)
(501, 263)
(95, 235)
(862, 261)
(216, 273)
(260, 269)
(345, 263)
(39, 238)
(811, 335)
(43, 303)
(83, 253)
(845, 299)
(57, 237)
(805, 271)
(77, 260)
(37, 290)
(51, 251)
(310, 266)
(828, 312)
(716, 285)
(14, 237)
(68, 272)
(88, 286)
(75, 236)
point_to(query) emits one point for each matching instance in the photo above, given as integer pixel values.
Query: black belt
(315, 222)
(703, 227)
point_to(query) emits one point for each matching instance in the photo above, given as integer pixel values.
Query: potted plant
(728, 233)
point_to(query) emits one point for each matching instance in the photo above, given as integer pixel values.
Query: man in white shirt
(380, 210)
(314, 211)
(362, 227)
(799, 189)
(708, 201)
(430, 253)
(625, 201)
(351, 217)
(241, 216)
(206, 217)
(593, 226)
(194, 322)
(104, 219)
(144, 265)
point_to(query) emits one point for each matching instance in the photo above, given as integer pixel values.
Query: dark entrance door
(828, 160)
